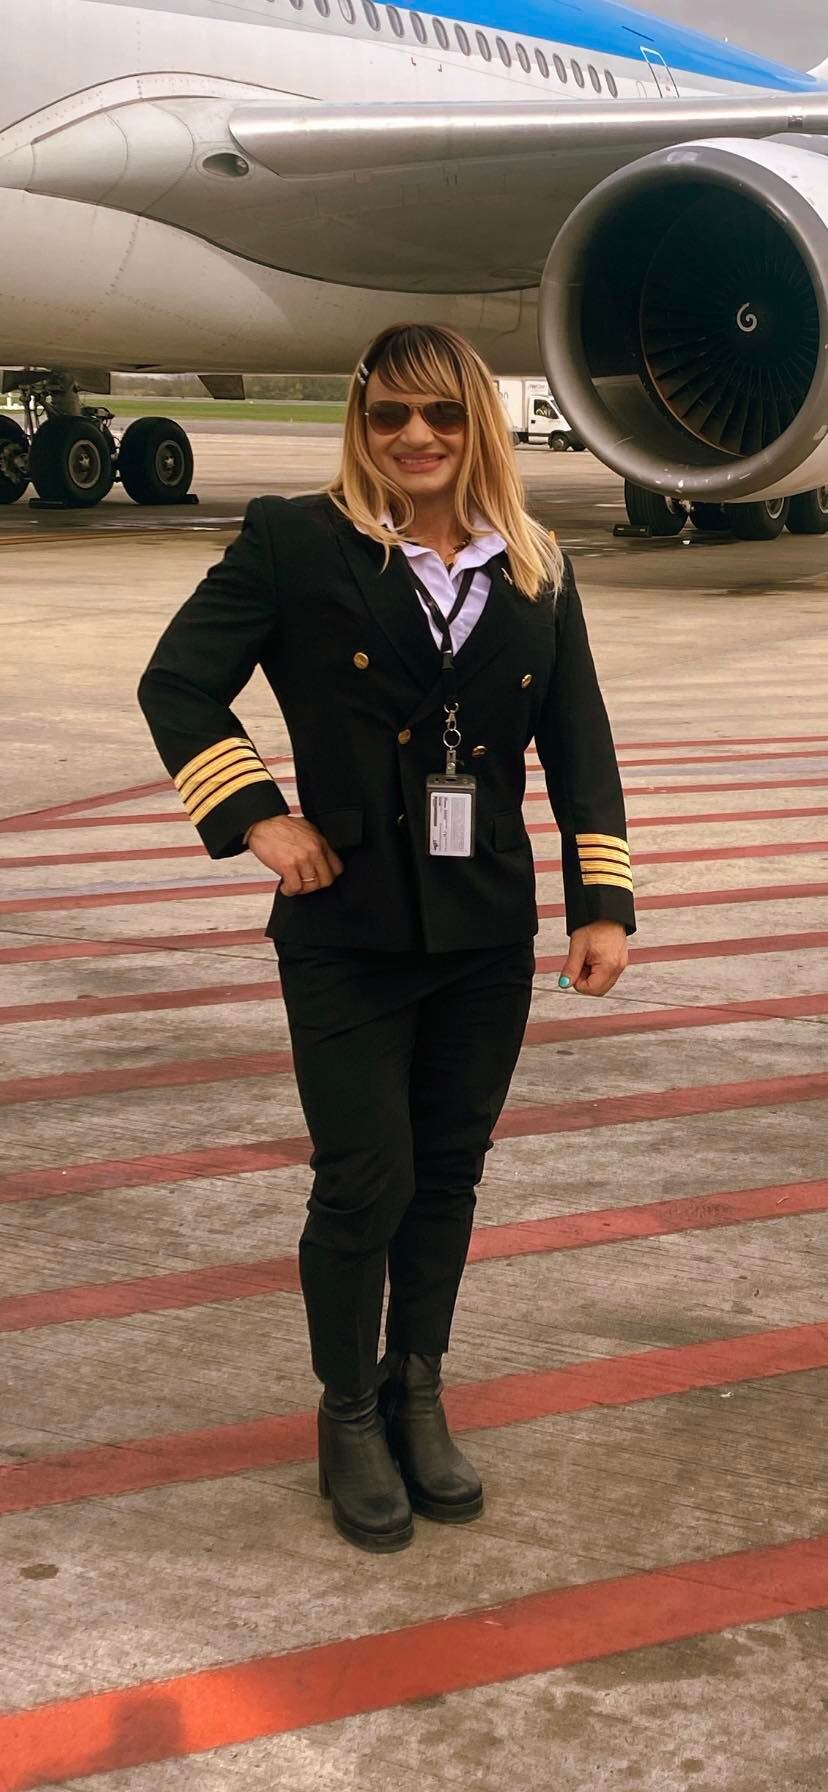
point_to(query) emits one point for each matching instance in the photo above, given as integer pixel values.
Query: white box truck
(533, 414)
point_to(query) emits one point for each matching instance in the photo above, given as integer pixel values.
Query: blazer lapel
(391, 601)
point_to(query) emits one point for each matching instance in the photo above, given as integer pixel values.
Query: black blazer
(348, 653)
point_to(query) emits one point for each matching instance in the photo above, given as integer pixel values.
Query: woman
(418, 630)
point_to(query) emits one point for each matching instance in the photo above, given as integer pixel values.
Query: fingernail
(564, 983)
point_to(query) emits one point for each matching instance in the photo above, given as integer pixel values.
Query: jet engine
(684, 320)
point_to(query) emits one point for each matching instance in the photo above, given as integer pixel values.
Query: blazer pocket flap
(508, 830)
(341, 827)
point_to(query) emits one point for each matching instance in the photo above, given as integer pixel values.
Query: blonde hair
(431, 358)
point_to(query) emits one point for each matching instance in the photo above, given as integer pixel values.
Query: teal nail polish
(564, 983)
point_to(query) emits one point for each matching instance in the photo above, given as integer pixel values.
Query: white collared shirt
(444, 584)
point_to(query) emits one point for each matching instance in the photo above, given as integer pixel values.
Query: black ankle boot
(441, 1482)
(370, 1504)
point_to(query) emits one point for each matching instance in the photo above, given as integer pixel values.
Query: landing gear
(14, 461)
(762, 521)
(73, 456)
(808, 514)
(710, 519)
(649, 510)
(72, 462)
(155, 463)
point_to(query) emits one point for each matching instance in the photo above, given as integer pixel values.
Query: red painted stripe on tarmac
(715, 817)
(179, 818)
(82, 1302)
(230, 994)
(723, 784)
(273, 1695)
(102, 1471)
(129, 793)
(158, 1168)
(126, 855)
(217, 938)
(727, 758)
(193, 1072)
(64, 901)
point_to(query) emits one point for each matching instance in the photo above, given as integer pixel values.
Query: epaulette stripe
(213, 752)
(220, 796)
(206, 779)
(621, 883)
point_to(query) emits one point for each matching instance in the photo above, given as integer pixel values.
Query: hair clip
(363, 373)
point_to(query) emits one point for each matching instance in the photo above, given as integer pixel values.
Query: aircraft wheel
(808, 514)
(71, 462)
(14, 461)
(558, 442)
(710, 518)
(762, 521)
(155, 461)
(649, 510)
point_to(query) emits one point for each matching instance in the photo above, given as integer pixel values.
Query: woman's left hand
(597, 956)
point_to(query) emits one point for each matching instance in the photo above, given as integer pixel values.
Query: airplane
(234, 186)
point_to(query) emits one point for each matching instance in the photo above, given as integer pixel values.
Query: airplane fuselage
(93, 278)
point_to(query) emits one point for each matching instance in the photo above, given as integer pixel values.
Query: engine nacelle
(684, 320)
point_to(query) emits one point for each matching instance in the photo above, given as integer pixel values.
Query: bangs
(413, 362)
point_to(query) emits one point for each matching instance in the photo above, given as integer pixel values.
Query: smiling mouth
(419, 460)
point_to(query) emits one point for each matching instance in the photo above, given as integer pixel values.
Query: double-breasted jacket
(351, 660)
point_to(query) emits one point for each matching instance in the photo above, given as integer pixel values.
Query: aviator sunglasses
(446, 416)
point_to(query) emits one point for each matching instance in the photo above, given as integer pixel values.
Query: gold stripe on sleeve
(214, 752)
(210, 776)
(226, 790)
(621, 883)
(613, 865)
(602, 840)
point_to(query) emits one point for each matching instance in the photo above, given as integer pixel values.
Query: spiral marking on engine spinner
(746, 319)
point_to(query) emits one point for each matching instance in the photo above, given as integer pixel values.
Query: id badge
(450, 812)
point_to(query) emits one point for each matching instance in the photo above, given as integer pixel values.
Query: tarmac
(639, 1364)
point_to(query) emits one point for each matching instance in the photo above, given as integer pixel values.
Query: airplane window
(419, 27)
(440, 33)
(462, 39)
(371, 14)
(523, 58)
(346, 8)
(560, 68)
(484, 47)
(595, 78)
(323, 7)
(504, 52)
(298, 4)
(542, 63)
(576, 68)
(611, 82)
(395, 21)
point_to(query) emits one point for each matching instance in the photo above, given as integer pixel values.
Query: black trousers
(403, 1062)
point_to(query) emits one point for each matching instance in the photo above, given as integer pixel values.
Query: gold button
(404, 736)
(361, 660)
(477, 752)
(526, 679)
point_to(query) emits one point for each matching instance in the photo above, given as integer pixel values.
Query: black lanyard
(443, 623)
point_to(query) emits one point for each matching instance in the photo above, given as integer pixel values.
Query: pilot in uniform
(407, 981)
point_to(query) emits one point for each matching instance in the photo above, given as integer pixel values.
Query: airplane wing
(419, 198)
